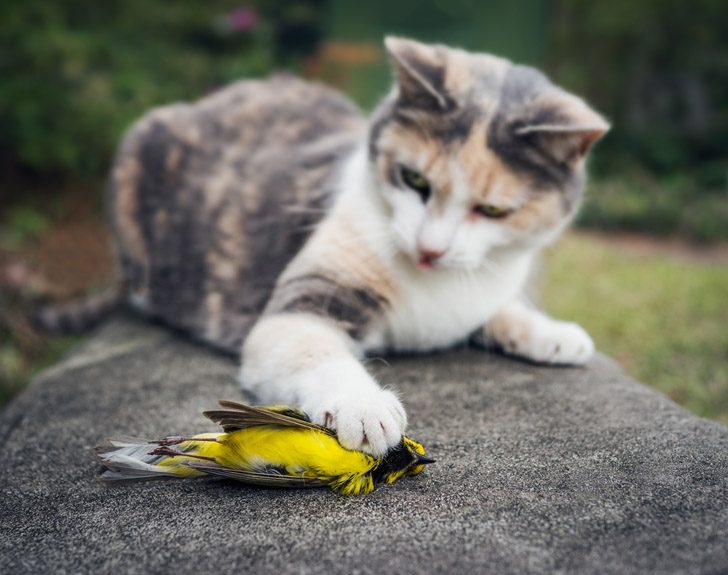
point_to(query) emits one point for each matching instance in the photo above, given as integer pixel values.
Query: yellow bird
(272, 446)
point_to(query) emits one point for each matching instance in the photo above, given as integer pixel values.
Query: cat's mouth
(425, 263)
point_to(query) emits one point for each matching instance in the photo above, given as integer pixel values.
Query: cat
(272, 217)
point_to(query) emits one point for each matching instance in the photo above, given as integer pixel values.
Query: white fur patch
(440, 307)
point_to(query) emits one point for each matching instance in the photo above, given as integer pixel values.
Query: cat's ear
(564, 126)
(420, 73)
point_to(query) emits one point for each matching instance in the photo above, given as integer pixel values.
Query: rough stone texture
(539, 470)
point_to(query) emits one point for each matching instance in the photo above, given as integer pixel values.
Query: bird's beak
(423, 460)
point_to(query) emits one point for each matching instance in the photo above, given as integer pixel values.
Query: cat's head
(476, 155)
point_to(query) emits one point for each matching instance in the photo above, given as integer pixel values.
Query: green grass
(17, 368)
(664, 318)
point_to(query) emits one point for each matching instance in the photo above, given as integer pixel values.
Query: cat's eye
(491, 211)
(415, 181)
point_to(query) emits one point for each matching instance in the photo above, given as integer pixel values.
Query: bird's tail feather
(131, 459)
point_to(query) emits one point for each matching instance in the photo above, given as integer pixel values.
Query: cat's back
(282, 111)
(208, 201)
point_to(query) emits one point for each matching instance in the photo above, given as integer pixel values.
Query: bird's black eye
(415, 181)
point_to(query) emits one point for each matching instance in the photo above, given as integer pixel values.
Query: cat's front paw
(545, 340)
(560, 342)
(372, 422)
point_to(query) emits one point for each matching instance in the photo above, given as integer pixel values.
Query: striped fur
(79, 315)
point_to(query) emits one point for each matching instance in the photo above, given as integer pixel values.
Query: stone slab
(565, 470)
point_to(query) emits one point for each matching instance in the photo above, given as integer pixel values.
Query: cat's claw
(372, 423)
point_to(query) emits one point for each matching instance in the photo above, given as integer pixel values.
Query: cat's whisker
(373, 359)
(307, 228)
(493, 267)
(362, 239)
(467, 276)
(305, 210)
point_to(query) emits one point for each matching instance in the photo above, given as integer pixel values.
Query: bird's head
(407, 458)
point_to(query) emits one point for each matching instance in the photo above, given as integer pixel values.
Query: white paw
(371, 421)
(553, 342)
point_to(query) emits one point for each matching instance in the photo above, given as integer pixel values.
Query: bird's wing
(256, 477)
(240, 416)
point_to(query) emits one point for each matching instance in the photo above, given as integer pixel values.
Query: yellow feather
(299, 452)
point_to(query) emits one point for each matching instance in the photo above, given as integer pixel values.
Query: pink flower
(242, 19)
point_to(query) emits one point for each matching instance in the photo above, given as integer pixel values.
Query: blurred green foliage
(513, 28)
(658, 69)
(76, 73)
(666, 205)
(22, 224)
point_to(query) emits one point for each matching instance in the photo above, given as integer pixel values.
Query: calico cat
(274, 218)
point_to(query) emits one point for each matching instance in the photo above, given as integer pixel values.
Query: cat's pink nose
(428, 256)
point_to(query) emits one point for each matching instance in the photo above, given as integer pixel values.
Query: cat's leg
(304, 360)
(526, 332)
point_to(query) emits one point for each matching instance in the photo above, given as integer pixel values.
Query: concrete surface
(539, 470)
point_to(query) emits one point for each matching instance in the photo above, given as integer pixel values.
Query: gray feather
(271, 479)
